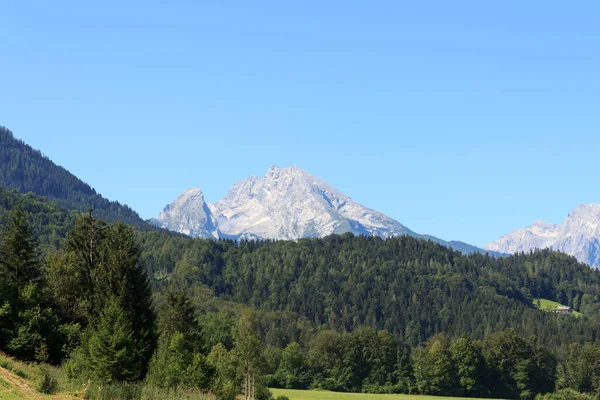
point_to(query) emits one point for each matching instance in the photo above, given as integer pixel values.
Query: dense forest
(27, 170)
(345, 313)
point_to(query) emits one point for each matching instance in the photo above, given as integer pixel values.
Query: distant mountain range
(286, 203)
(578, 235)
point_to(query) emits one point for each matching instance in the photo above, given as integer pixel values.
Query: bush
(74, 366)
(6, 365)
(282, 398)
(114, 392)
(46, 383)
(566, 394)
(20, 373)
(262, 392)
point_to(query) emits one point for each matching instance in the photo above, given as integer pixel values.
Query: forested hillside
(27, 170)
(412, 288)
(345, 313)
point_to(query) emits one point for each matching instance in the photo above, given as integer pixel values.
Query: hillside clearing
(550, 306)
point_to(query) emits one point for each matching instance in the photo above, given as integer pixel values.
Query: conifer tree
(112, 353)
(84, 246)
(178, 360)
(19, 258)
(113, 284)
(28, 326)
(178, 315)
(121, 275)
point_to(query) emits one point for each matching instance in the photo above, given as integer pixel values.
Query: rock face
(190, 215)
(578, 235)
(290, 203)
(286, 203)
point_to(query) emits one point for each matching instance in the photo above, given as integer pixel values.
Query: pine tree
(28, 326)
(178, 315)
(84, 246)
(122, 276)
(178, 360)
(19, 258)
(113, 284)
(112, 353)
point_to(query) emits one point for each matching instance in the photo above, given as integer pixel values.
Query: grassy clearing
(322, 395)
(549, 305)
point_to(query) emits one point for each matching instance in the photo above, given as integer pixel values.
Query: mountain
(578, 235)
(189, 214)
(25, 169)
(286, 203)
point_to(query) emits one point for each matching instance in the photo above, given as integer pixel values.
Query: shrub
(566, 394)
(20, 373)
(46, 383)
(6, 365)
(117, 391)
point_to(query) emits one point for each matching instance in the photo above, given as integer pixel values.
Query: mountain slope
(26, 170)
(578, 235)
(286, 204)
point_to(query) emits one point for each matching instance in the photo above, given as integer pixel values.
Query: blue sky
(464, 120)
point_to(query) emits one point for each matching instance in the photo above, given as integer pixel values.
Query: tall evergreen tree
(178, 360)
(121, 275)
(178, 315)
(111, 351)
(84, 247)
(28, 325)
(19, 258)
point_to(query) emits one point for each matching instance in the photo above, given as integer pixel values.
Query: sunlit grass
(549, 305)
(323, 395)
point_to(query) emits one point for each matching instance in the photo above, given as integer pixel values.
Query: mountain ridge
(285, 204)
(578, 235)
(26, 169)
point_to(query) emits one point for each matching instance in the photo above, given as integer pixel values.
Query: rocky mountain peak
(578, 235)
(286, 203)
(189, 214)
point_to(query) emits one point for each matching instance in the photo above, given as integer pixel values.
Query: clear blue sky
(463, 120)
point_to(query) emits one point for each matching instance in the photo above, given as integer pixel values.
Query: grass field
(320, 395)
(549, 305)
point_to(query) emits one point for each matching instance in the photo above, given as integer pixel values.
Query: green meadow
(323, 395)
(549, 305)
